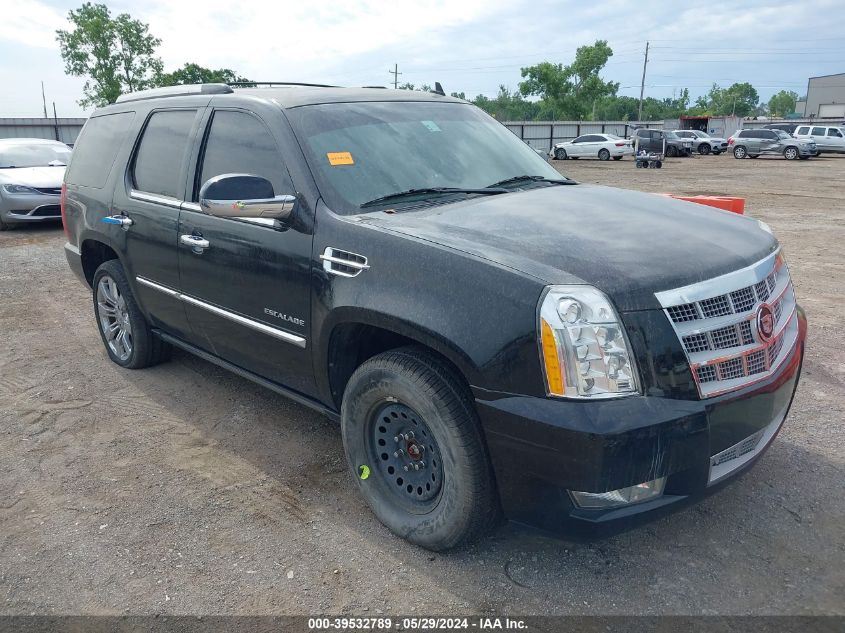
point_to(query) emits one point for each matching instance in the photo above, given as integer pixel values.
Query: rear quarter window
(96, 149)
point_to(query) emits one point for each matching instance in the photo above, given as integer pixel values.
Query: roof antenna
(438, 89)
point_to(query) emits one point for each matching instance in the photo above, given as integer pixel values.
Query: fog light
(622, 497)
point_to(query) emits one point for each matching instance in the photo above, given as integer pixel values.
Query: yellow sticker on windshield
(339, 158)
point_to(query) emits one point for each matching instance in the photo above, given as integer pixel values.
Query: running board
(269, 384)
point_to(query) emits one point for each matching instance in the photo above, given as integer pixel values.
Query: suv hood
(33, 176)
(626, 243)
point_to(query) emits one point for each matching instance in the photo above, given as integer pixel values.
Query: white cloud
(31, 23)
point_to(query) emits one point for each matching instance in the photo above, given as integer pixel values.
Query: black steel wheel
(413, 440)
(407, 454)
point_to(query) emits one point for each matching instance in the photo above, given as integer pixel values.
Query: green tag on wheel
(365, 471)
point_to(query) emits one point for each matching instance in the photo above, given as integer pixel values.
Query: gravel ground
(184, 489)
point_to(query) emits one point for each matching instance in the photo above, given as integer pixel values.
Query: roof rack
(250, 84)
(176, 91)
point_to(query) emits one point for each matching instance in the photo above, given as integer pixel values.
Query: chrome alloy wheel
(114, 318)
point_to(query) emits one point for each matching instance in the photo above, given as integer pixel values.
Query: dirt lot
(185, 489)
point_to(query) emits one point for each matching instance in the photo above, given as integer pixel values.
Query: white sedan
(601, 146)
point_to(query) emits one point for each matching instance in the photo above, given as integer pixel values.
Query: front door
(245, 284)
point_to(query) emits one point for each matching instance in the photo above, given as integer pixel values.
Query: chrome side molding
(282, 335)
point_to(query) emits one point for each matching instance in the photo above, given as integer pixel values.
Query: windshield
(359, 152)
(35, 155)
(700, 134)
(782, 134)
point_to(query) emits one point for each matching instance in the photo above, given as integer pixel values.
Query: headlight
(584, 349)
(20, 189)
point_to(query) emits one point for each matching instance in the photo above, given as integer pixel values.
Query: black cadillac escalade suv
(494, 339)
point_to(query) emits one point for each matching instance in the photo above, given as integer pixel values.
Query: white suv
(828, 138)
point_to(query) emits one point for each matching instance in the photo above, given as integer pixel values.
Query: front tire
(671, 151)
(704, 149)
(604, 154)
(740, 151)
(560, 154)
(790, 153)
(127, 336)
(413, 440)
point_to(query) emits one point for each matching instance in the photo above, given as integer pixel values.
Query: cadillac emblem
(765, 322)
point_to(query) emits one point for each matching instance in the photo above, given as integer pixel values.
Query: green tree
(572, 91)
(783, 103)
(740, 99)
(195, 74)
(116, 55)
(509, 106)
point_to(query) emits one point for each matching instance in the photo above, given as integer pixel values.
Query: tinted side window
(818, 131)
(832, 131)
(803, 130)
(159, 158)
(238, 143)
(96, 148)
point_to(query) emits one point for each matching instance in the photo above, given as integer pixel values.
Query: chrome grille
(717, 322)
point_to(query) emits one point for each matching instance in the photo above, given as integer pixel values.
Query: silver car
(31, 172)
(703, 143)
(753, 143)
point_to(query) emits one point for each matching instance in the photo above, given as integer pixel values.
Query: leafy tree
(116, 55)
(740, 99)
(573, 91)
(783, 103)
(458, 95)
(509, 106)
(195, 74)
(410, 86)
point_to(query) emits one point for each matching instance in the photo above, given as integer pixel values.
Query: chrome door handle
(194, 241)
(119, 220)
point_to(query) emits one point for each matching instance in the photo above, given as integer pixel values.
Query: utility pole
(56, 121)
(43, 100)
(642, 85)
(395, 72)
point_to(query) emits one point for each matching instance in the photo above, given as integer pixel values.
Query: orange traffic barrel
(728, 203)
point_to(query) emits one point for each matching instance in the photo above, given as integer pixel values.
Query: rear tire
(126, 335)
(451, 499)
(604, 154)
(740, 152)
(617, 158)
(704, 149)
(560, 154)
(658, 164)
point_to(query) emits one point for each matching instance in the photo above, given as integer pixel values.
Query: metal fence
(64, 129)
(543, 135)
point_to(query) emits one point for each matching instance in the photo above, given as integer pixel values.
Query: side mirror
(244, 196)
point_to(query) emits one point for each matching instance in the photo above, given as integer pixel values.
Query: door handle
(119, 220)
(196, 242)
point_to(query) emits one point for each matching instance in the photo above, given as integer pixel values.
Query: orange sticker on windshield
(340, 158)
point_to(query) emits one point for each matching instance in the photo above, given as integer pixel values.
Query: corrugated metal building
(826, 97)
(65, 130)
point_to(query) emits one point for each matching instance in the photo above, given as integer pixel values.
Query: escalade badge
(765, 322)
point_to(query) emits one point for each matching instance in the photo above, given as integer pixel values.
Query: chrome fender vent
(343, 263)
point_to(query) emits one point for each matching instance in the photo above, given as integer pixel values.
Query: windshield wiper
(410, 193)
(518, 179)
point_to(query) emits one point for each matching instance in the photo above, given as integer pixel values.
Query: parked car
(31, 171)
(492, 337)
(754, 143)
(601, 146)
(789, 128)
(703, 143)
(652, 141)
(828, 139)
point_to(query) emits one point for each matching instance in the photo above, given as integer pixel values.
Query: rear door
(153, 190)
(819, 135)
(248, 292)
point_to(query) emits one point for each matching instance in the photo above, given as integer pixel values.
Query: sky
(470, 46)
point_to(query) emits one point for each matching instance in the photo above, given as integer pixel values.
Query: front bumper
(543, 448)
(26, 208)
